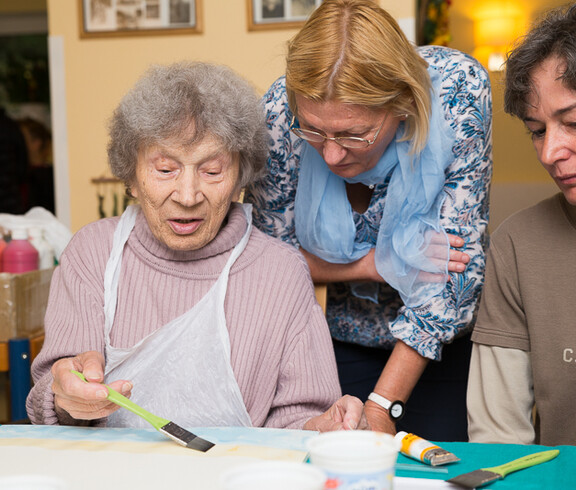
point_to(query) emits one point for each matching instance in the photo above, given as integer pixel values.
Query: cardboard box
(23, 300)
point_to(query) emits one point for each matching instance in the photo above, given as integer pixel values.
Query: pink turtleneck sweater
(281, 349)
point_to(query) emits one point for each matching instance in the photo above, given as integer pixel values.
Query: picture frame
(279, 14)
(108, 18)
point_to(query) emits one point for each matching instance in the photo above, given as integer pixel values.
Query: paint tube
(420, 449)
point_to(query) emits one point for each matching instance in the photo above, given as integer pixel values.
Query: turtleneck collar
(229, 235)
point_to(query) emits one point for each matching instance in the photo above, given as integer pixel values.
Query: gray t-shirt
(529, 303)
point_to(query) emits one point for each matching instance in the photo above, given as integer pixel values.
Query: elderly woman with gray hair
(180, 303)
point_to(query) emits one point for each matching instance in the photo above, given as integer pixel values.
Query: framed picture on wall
(279, 14)
(105, 18)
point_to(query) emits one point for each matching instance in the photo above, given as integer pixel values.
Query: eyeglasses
(344, 141)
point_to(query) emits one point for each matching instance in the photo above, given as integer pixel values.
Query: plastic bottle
(19, 255)
(2, 247)
(45, 250)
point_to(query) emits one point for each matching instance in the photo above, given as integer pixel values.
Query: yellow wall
(99, 71)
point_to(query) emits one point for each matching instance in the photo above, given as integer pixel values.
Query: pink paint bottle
(19, 255)
(2, 247)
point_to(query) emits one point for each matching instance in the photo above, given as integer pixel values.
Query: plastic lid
(400, 435)
(353, 450)
(19, 234)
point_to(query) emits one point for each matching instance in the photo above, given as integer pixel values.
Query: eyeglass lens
(345, 141)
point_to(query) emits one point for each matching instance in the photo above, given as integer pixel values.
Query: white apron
(181, 371)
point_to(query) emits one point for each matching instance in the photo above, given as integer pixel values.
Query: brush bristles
(475, 478)
(185, 438)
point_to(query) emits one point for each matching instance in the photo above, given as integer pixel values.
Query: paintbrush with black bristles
(173, 431)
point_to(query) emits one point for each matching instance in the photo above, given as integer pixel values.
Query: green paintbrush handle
(118, 399)
(524, 462)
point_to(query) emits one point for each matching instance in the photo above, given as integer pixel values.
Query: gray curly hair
(168, 98)
(553, 35)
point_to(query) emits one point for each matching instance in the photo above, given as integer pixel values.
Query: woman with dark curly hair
(522, 388)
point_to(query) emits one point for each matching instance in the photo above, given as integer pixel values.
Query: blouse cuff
(425, 344)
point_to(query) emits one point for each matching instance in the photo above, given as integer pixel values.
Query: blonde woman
(378, 171)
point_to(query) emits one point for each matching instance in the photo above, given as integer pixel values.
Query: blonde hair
(354, 52)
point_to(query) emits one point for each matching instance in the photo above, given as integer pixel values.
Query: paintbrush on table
(479, 478)
(173, 431)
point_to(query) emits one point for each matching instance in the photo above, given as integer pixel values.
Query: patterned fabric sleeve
(273, 196)
(466, 100)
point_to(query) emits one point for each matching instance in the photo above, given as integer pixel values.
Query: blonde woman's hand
(378, 418)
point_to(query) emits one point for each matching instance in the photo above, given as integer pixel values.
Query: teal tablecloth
(559, 473)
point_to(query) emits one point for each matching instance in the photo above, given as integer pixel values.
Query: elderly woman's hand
(346, 414)
(80, 400)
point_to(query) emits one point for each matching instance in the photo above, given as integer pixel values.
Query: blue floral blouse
(467, 104)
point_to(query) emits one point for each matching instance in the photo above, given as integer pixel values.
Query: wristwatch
(396, 409)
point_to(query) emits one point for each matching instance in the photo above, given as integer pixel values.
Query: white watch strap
(380, 400)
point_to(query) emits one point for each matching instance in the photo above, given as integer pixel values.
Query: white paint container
(355, 460)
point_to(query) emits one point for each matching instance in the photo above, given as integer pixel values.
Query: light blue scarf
(410, 220)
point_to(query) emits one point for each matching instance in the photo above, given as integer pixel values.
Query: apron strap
(111, 276)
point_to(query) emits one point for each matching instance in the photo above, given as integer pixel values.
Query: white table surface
(143, 459)
(90, 458)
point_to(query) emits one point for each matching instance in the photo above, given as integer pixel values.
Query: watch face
(396, 410)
